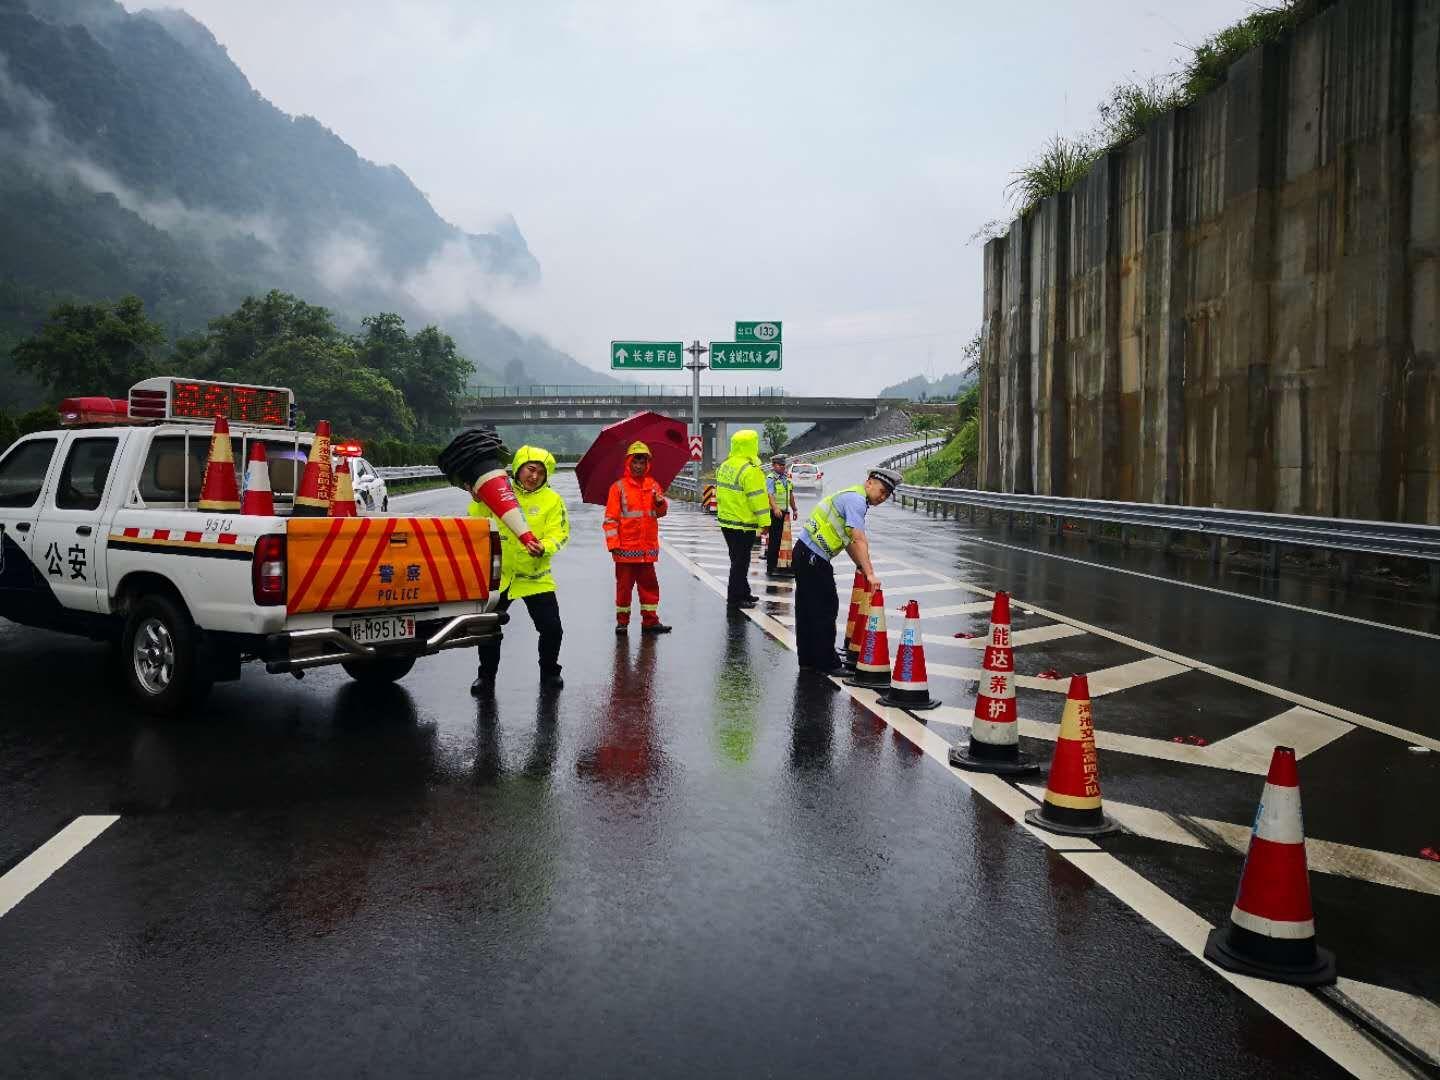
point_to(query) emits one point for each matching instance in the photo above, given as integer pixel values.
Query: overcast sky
(678, 165)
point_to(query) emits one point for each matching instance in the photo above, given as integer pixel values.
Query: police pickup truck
(100, 535)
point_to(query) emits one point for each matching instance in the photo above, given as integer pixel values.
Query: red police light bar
(347, 449)
(190, 399)
(94, 410)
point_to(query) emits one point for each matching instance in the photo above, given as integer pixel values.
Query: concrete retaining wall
(1242, 307)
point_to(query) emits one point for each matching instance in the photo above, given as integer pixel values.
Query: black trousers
(772, 546)
(741, 543)
(544, 609)
(817, 605)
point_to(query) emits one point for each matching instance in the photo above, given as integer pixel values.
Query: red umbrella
(600, 467)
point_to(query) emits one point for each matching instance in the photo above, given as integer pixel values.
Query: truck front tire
(160, 658)
(387, 669)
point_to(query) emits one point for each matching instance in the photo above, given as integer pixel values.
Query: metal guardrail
(910, 457)
(1333, 534)
(408, 472)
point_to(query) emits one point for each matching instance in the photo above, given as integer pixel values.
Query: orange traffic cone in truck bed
(219, 491)
(317, 484)
(342, 502)
(258, 499)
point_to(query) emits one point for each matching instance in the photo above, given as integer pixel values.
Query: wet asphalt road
(691, 861)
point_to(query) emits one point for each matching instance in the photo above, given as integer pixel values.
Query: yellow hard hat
(638, 447)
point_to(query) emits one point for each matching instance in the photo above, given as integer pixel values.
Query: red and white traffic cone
(493, 490)
(909, 685)
(1272, 927)
(1072, 791)
(855, 620)
(317, 483)
(872, 666)
(784, 562)
(342, 500)
(218, 490)
(995, 732)
(258, 499)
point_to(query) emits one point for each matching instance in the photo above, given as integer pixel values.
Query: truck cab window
(86, 471)
(22, 472)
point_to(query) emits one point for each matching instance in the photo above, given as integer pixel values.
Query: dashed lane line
(40, 864)
(1329, 1031)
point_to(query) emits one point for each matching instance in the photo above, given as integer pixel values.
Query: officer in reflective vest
(526, 576)
(782, 502)
(835, 525)
(742, 509)
(632, 535)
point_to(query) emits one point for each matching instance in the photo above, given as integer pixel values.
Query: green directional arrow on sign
(647, 355)
(761, 333)
(738, 356)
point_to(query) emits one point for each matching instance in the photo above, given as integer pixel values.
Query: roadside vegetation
(1133, 104)
(962, 446)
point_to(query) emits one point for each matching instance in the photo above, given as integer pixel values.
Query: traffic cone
(909, 687)
(493, 490)
(872, 666)
(1272, 927)
(1072, 791)
(855, 620)
(218, 490)
(995, 732)
(317, 483)
(342, 500)
(784, 562)
(257, 499)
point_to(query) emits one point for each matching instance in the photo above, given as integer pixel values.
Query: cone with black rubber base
(872, 666)
(994, 744)
(784, 562)
(909, 683)
(1072, 792)
(855, 621)
(1271, 932)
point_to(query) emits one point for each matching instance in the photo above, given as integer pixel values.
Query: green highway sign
(735, 356)
(762, 333)
(647, 355)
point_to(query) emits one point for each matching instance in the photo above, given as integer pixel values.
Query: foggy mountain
(919, 388)
(135, 156)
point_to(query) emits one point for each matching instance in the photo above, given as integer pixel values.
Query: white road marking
(1209, 589)
(1322, 856)
(1123, 676)
(1299, 1009)
(1336, 711)
(35, 868)
(1413, 1018)
(1300, 728)
(906, 591)
(1036, 635)
(958, 609)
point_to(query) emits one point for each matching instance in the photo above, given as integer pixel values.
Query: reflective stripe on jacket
(827, 525)
(632, 526)
(521, 573)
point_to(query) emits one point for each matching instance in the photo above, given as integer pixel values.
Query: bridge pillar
(715, 445)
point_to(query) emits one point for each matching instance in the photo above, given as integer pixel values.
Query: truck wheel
(161, 661)
(387, 669)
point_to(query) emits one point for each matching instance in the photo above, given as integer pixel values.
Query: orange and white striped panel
(352, 564)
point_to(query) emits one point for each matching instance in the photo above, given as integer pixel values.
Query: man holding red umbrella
(632, 534)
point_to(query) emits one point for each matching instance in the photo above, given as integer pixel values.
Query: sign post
(696, 364)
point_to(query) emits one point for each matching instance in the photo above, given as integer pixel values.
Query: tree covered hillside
(135, 157)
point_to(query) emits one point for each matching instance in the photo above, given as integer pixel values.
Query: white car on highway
(807, 477)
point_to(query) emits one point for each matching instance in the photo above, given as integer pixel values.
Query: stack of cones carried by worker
(872, 666)
(317, 483)
(995, 732)
(218, 490)
(784, 563)
(909, 685)
(1272, 925)
(855, 620)
(342, 499)
(1072, 790)
(258, 499)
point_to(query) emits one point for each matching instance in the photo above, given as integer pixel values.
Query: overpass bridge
(720, 406)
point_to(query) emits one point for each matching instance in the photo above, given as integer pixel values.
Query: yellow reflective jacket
(521, 573)
(740, 498)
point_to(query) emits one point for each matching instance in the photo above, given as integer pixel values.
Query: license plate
(383, 628)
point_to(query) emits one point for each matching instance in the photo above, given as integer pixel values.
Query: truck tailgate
(363, 563)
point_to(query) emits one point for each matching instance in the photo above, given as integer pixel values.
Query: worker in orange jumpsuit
(632, 535)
